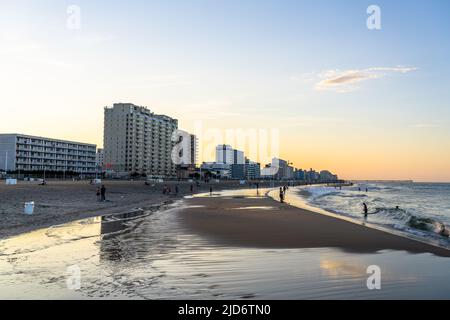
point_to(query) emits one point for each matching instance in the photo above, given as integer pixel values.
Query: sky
(365, 104)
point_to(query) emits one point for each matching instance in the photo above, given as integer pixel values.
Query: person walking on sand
(366, 210)
(98, 193)
(281, 195)
(103, 193)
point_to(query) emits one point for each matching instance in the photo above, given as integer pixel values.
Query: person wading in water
(366, 210)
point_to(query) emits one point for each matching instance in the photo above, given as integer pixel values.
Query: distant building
(327, 176)
(252, 170)
(248, 171)
(31, 154)
(300, 175)
(99, 158)
(216, 170)
(312, 176)
(188, 170)
(227, 155)
(238, 171)
(137, 141)
(279, 169)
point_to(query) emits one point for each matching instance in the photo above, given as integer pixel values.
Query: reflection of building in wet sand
(137, 235)
(112, 228)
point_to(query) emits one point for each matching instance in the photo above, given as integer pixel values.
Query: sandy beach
(64, 201)
(261, 222)
(231, 245)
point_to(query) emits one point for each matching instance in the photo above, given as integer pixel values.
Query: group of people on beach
(283, 193)
(101, 193)
(167, 190)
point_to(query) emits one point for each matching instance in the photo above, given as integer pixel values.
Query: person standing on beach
(366, 210)
(281, 195)
(103, 193)
(98, 193)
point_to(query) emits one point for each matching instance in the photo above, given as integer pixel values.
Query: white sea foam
(423, 208)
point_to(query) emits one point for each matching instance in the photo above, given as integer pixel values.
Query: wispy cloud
(424, 125)
(348, 80)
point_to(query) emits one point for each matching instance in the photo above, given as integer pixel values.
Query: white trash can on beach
(11, 181)
(29, 208)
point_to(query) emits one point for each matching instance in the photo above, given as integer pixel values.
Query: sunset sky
(365, 104)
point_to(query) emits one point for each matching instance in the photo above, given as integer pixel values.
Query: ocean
(423, 208)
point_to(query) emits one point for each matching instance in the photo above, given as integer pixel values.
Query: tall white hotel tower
(137, 141)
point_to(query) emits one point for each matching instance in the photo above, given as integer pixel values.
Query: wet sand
(264, 223)
(64, 201)
(158, 255)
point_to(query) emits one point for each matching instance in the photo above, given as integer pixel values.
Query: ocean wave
(410, 215)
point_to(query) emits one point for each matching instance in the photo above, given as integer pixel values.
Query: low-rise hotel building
(28, 154)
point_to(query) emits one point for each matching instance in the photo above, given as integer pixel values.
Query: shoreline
(246, 221)
(63, 202)
(240, 208)
(302, 204)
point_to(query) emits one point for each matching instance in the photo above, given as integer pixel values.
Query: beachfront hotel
(227, 155)
(100, 158)
(30, 154)
(137, 141)
(188, 169)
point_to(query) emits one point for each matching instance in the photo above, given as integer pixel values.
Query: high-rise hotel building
(137, 141)
(29, 154)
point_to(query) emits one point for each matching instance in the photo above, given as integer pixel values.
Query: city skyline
(366, 104)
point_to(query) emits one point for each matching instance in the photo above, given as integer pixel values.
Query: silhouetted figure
(210, 191)
(367, 190)
(103, 193)
(444, 232)
(281, 195)
(192, 188)
(366, 210)
(98, 193)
